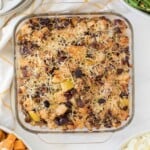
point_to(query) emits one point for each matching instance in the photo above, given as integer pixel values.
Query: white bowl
(9, 131)
(135, 10)
(135, 137)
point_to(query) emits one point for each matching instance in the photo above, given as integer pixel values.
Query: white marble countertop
(141, 120)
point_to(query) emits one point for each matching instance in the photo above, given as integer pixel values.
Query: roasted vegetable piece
(67, 85)
(124, 103)
(35, 117)
(143, 5)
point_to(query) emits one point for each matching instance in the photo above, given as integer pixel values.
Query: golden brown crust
(74, 72)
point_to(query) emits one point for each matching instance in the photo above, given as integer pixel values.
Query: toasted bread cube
(19, 145)
(2, 135)
(61, 109)
(11, 137)
(7, 145)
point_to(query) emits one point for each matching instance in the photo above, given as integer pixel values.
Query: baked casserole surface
(74, 72)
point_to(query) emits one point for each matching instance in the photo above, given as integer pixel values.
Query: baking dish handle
(116, 7)
(75, 138)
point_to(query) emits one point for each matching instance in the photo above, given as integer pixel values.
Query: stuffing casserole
(73, 72)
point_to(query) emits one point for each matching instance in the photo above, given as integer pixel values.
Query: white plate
(9, 131)
(135, 10)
